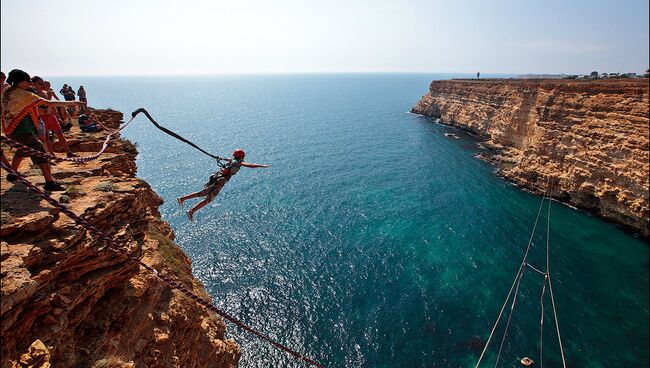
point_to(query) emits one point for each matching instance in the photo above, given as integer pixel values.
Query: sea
(374, 239)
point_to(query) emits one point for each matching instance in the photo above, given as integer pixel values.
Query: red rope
(169, 281)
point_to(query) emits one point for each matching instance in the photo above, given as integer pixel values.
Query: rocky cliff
(589, 137)
(69, 301)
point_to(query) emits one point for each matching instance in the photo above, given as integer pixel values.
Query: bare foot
(180, 201)
(190, 215)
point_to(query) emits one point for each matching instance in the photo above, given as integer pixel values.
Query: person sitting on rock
(20, 123)
(88, 123)
(217, 181)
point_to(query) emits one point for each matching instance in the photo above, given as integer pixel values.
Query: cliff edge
(589, 137)
(70, 301)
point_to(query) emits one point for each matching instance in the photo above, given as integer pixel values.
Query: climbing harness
(119, 249)
(515, 286)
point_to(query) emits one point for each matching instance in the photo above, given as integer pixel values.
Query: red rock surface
(88, 305)
(590, 137)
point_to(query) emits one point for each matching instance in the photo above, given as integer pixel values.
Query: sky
(162, 37)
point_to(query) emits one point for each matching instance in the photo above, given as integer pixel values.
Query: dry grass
(106, 186)
(174, 259)
(112, 362)
(130, 147)
(5, 217)
(73, 191)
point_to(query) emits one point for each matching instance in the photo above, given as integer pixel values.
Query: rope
(512, 309)
(523, 262)
(541, 323)
(175, 135)
(47, 156)
(550, 286)
(535, 269)
(169, 281)
(557, 327)
(546, 279)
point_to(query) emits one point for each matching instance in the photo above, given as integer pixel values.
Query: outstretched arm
(63, 103)
(254, 166)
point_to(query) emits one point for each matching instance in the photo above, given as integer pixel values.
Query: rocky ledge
(69, 301)
(589, 137)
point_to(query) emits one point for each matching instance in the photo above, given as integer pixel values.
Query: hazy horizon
(483, 74)
(198, 37)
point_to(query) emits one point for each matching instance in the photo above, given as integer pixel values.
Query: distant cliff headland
(589, 137)
(70, 301)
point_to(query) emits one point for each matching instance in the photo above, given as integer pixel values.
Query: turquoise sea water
(374, 240)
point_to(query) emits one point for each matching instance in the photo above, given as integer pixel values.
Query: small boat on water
(452, 135)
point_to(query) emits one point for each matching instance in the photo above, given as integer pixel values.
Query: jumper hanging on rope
(217, 181)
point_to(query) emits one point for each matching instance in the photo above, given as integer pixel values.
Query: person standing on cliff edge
(20, 123)
(478, 75)
(217, 181)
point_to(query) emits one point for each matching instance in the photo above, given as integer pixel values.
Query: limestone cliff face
(70, 301)
(591, 138)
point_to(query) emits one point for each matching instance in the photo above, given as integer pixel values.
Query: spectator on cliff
(3, 84)
(63, 90)
(48, 120)
(71, 93)
(88, 123)
(217, 181)
(72, 96)
(82, 94)
(51, 95)
(61, 113)
(52, 125)
(20, 123)
(67, 92)
(35, 89)
(38, 87)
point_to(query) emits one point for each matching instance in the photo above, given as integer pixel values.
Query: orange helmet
(239, 153)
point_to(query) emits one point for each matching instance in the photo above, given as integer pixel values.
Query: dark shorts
(88, 128)
(32, 142)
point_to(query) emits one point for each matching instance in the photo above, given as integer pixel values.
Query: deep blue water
(374, 240)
